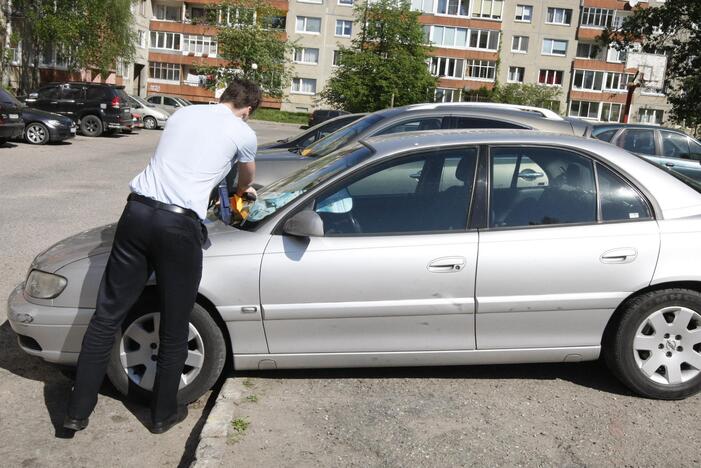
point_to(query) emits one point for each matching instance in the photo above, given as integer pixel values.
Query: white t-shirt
(199, 146)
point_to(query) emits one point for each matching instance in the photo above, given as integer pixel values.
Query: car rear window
(98, 93)
(8, 99)
(122, 94)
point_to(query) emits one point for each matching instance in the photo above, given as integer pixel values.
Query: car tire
(91, 126)
(206, 339)
(655, 347)
(36, 133)
(150, 123)
(3, 141)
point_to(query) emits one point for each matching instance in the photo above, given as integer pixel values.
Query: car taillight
(115, 102)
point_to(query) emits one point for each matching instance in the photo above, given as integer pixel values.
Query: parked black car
(320, 115)
(41, 127)
(96, 108)
(309, 136)
(11, 124)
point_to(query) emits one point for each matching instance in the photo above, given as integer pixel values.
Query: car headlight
(43, 285)
(53, 123)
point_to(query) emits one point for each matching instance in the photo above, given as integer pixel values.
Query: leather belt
(163, 206)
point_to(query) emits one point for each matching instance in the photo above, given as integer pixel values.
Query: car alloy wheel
(667, 344)
(150, 123)
(138, 352)
(91, 126)
(36, 134)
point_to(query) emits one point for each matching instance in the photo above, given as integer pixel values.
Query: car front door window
(170, 102)
(414, 125)
(429, 192)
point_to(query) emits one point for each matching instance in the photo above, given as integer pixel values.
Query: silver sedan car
(420, 249)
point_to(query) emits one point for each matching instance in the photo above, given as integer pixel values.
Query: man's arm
(247, 172)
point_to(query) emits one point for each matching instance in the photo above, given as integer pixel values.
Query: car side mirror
(306, 223)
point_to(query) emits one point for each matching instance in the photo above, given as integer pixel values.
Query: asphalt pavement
(527, 415)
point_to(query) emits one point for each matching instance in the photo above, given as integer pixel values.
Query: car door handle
(669, 164)
(447, 265)
(622, 255)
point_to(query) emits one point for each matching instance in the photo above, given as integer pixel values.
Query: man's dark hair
(242, 93)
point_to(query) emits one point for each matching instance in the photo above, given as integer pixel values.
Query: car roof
(674, 198)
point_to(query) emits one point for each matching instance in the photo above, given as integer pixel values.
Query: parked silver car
(420, 249)
(168, 103)
(272, 164)
(153, 117)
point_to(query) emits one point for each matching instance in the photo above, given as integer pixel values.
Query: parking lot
(556, 415)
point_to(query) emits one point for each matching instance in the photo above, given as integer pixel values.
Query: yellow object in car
(239, 208)
(305, 152)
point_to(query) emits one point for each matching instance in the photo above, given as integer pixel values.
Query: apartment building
(135, 73)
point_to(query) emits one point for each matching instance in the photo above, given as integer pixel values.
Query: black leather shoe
(160, 427)
(75, 424)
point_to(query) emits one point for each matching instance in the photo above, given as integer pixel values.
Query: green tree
(386, 64)
(525, 94)
(673, 28)
(252, 40)
(87, 33)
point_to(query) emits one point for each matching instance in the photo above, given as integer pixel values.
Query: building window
(516, 74)
(610, 112)
(336, 58)
(587, 50)
(487, 9)
(597, 17)
(585, 109)
(344, 28)
(445, 67)
(524, 13)
(481, 69)
(616, 56)
(164, 71)
(453, 7)
(307, 55)
(303, 86)
(519, 44)
(446, 95)
(550, 77)
(165, 40)
(554, 47)
(484, 39)
(449, 37)
(559, 16)
(199, 44)
(167, 12)
(425, 6)
(650, 116)
(141, 38)
(617, 81)
(588, 80)
(309, 25)
(345, 2)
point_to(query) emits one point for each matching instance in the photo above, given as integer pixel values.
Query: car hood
(223, 240)
(38, 114)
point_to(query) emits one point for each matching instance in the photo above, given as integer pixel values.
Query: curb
(212, 444)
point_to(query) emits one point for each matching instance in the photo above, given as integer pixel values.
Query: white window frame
(299, 82)
(303, 53)
(478, 10)
(616, 56)
(590, 47)
(345, 3)
(588, 75)
(343, 23)
(334, 57)
(446, 92)
(480, 33)
(523, 8)
(609, 108)
(439, 65)
(548, 72)
(165, 36)
(305, 22)
(163, 67)
(563, 12)
(465, 3)
(588, 109)
(208, 45)
(519, 40)
(480, 65)
(602, 17)
(552, 47)
(645, 114)
(515, 73)
(424, 6)
(157, 9)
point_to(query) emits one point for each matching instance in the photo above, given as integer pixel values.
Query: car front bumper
(62, 132)
(54, 334)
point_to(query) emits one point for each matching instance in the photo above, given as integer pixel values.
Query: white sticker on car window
(633, 215)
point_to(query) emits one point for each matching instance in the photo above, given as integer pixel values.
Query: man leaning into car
(161, 231)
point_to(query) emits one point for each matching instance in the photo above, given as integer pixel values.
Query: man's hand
(250, 194)
(247, 172)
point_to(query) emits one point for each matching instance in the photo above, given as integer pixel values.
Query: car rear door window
(73, 93)
(476, 122)
(619, 200)
(170, 102)
(674, 145)
(638, 141)
(414, 125)
(154, 99)
(539, 186)
(52, 92)
(428, 192)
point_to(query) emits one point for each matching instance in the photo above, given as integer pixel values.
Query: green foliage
(386, 64)
(274, 115)
(88, 33)
(674, 29)
(253, 43)
(525, 94)
(240, 425)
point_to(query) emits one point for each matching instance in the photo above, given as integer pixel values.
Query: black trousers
(147, 240)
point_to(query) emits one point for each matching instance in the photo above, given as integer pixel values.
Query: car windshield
(342, 137)
(7, 98)
(286, 190)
